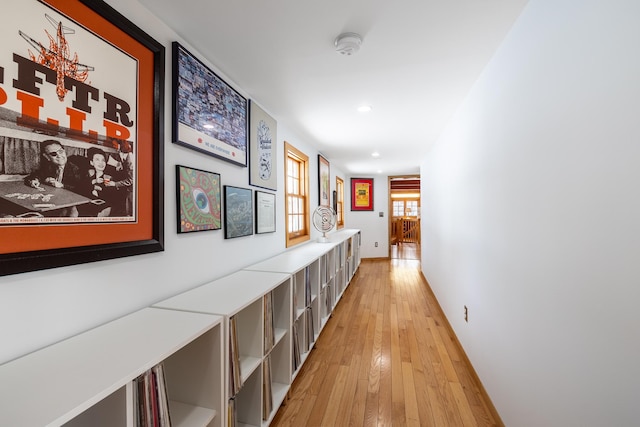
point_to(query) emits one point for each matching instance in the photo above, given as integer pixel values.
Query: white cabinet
(89, 379)
(257, 370)
(319, 274)
(231, 347)
(303, 265)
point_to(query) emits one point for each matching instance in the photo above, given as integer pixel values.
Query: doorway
(404, 217)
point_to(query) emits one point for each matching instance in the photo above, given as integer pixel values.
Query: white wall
(531, 213)
(40, 308)
(373, 227)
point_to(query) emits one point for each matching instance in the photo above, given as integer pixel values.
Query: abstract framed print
(199, 199)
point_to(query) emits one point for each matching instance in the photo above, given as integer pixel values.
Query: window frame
(405, 202)
(299, 193)
(339, 208)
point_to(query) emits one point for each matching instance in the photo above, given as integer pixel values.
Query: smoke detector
(348, 43)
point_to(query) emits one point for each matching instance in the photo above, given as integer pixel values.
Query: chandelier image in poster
(68, 122)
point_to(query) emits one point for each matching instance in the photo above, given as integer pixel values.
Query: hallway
(386, 357)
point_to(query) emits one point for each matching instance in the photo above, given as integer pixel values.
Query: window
(402, 208)
(339, 203)
(411, 208)
(296, 187)
(398, 208)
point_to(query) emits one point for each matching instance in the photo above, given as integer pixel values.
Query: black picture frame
(200, 123)
(265, 212)
(198, 200)
(35, 243)
(324, 181)
(238, 212)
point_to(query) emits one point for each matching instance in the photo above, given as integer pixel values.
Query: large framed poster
(208, 114)
(81, 158)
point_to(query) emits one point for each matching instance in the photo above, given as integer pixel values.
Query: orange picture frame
(83, 113)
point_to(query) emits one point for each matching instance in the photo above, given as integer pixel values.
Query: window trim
(292, 153)
(339, 202)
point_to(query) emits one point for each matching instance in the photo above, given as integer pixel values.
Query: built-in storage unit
(346, 258)
(319, 274)
(89, 379)
(228, 350)
(256, 307)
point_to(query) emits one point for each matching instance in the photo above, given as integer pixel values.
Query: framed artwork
(208, 115)
(238, 212)
(361, 194)
(324, 190)
(265, 212)
(81, 141)
(199, 199)
(263, 142)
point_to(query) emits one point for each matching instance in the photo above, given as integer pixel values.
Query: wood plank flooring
(387, 357)
(405, 251)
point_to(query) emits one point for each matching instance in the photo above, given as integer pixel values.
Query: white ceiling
(417, 62)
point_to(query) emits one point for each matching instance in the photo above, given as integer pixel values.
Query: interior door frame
(390, 204)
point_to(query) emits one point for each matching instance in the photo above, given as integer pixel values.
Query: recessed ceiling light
(364, 108)
(375, 154)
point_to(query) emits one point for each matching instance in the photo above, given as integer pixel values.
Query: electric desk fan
(324, 218)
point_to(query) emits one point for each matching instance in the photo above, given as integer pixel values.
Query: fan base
(323, 239)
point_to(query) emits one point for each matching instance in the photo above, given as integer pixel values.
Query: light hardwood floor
(405, 251)
(387, 357)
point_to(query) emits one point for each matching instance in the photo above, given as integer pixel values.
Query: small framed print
(324, 188)
(265, 212)
(238, 212)
(198, 200)
(361, 194)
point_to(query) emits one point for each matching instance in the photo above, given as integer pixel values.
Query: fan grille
(324, 219)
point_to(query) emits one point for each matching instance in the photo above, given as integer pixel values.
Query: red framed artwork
(81, 141)
(361, 194)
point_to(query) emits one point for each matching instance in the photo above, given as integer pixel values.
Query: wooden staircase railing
(405, 230)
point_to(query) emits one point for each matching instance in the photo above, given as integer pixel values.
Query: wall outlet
(376, 244)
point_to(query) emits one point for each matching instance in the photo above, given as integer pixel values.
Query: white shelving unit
(240, 298)
(89, 379)
(303, 265)
(323, 266)
(346, 259)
